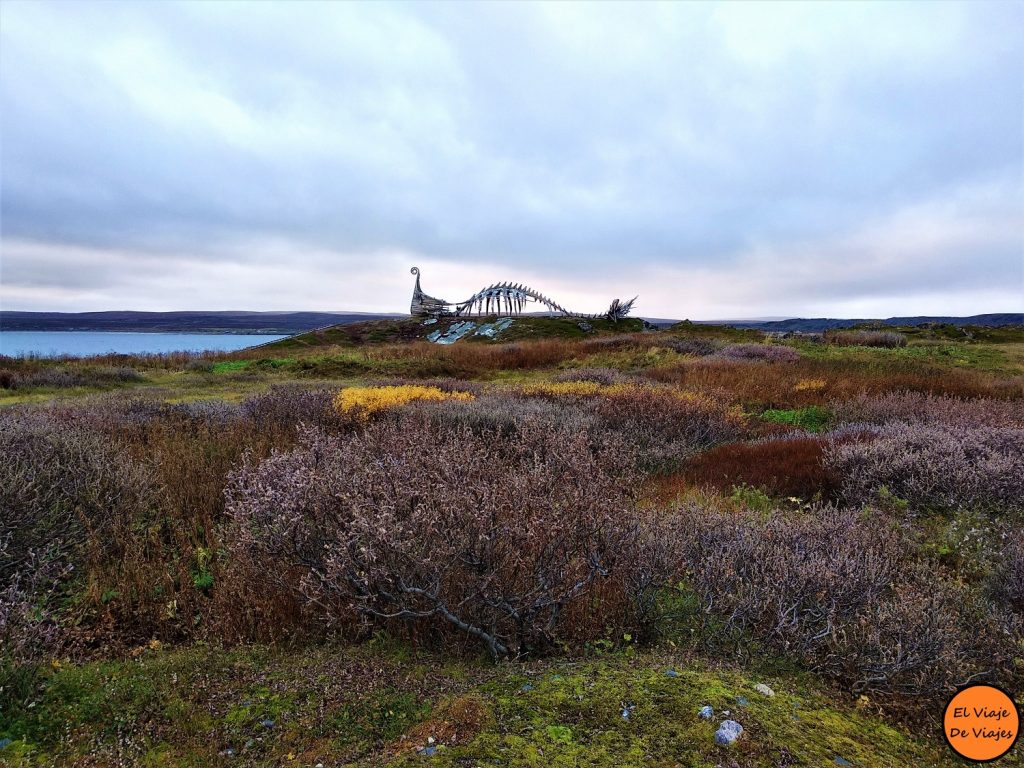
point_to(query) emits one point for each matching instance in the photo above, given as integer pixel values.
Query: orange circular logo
(981, 723)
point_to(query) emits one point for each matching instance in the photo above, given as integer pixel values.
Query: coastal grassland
(505, 544)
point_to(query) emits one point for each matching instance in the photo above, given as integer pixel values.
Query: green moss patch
(377, 705)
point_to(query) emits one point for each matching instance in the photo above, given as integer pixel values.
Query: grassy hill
(477, 329)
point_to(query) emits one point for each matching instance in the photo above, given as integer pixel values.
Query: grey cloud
(548, 137)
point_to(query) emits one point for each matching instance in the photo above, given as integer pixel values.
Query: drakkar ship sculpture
(503, 299)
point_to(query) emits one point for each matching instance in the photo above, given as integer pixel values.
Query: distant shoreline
(290, 323)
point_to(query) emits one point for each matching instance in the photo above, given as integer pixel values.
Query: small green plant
(752, 498)
(559, 733)
(202, 576)
(813, 418)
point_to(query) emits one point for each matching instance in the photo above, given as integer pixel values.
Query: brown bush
(787, 466)
(864, 338)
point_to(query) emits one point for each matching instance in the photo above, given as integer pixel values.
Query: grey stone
(764, 690)
(728, 732)
(706, 712)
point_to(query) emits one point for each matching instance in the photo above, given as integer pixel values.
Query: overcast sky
(719, 160)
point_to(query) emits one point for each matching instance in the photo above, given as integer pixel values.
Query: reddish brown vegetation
(790, 466)
(778, 385)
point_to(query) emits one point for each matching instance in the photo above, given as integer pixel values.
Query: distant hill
(818, 324)
(182, 322)
(301, 322)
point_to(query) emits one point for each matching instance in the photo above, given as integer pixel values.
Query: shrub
(507, 413)
(499, 540)
(64, 485)
(200, 365)
(559, 389)
(924, 408)
(1008, 576)
(935, 467)
(288, 405)
(28, 633)
(603, 376)
(698, 347)
(362, 402)
(63, 376)
(842, 591)
(864, 338)
(787, 466)
(769, 353)
(667, 426)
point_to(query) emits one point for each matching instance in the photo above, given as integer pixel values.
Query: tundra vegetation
(549, 547)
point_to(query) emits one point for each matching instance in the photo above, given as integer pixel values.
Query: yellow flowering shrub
(363, 402)
(562, 388)
(809, 385)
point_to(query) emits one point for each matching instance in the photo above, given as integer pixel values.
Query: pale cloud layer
(730, 160)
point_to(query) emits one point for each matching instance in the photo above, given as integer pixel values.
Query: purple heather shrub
(934, 466)
(1008, 575)
(925, 408)
(289, 405)
(63, 482)
(28, 631)
(605, 376)
(508, 413)
(697, 347)
(842, 590)
(768, 353)
(516, 542)
(663, 426)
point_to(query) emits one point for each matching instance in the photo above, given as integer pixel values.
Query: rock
(4, 743)
(627, 710)
(742, 701)
(727, 733)
(706, 712)
(585, 326)
(764, 690)
(268, 723)
(841, 761)
(526, 687)
(671, 673)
